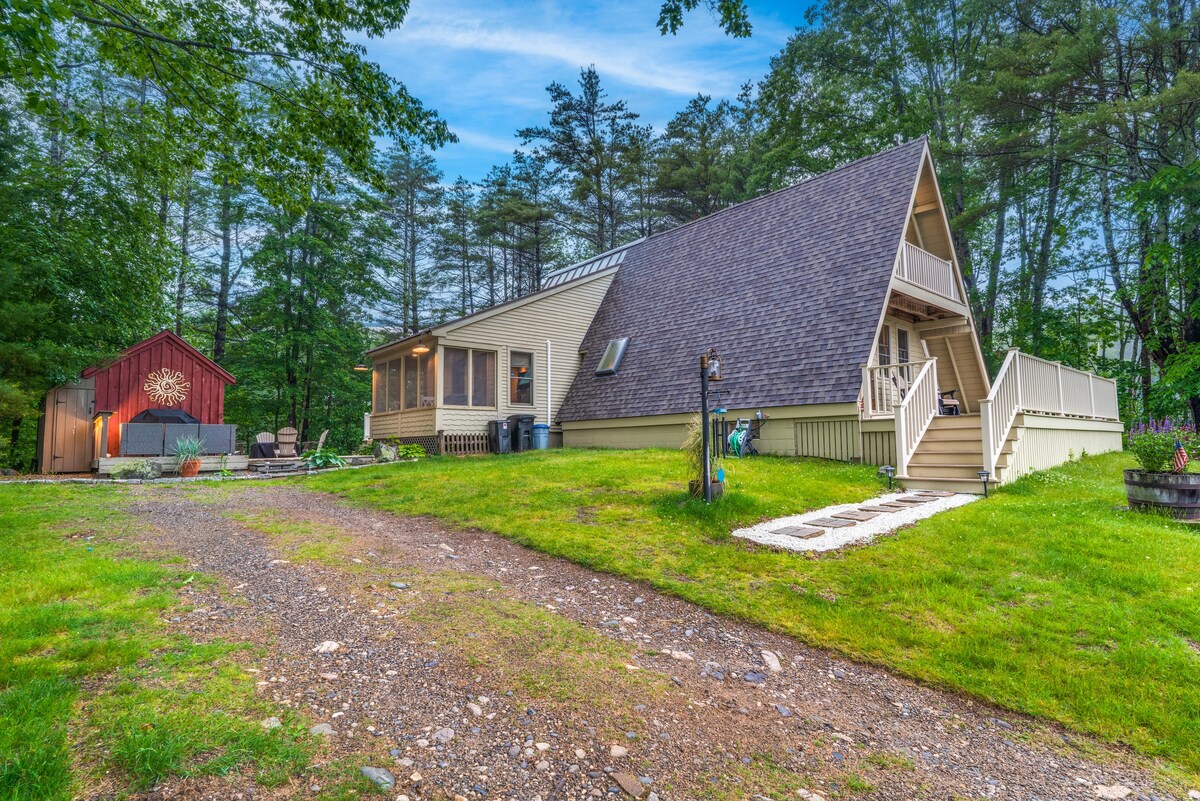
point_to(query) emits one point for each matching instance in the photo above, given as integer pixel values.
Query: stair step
(973, 486)
(966, 471)
(944, 421)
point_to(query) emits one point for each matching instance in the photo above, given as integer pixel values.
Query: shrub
(323, 457)
(1152, 443)
(188, 449)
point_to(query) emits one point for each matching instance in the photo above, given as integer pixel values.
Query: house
(840, 313)
(136, 406)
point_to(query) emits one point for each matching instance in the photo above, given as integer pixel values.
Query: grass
(84, 661)
(1047, 598)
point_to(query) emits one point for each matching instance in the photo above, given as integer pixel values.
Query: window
(411, 380)
(428, 380)
(483, 378)
(379, 387)
(901, 346)
(455, 376)
(885, 345)
(386, 386)
(520, 373)
(611, 360)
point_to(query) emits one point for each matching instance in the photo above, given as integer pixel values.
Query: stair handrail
(999, 409)
(914, 414)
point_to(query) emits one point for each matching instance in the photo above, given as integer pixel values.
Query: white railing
(885, 385)
(1028, 384)
(914, 414)
(928, 271)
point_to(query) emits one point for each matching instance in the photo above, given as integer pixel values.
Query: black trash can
(499, 436)
(520, 428)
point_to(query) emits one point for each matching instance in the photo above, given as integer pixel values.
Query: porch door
(69, 429)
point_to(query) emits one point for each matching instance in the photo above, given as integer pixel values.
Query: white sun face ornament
(167, 386)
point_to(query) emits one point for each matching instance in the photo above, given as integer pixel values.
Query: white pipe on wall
(549, 401)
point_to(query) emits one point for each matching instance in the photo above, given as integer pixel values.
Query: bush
(323, 457)
(1152, 443)
(393, 450)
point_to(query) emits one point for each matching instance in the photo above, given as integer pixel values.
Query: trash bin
(499, 436)
(520, 427)
(541, 436)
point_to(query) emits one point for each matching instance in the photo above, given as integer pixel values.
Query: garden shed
(136, 405)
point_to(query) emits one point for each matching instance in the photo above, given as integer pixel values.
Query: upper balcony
(929, 272)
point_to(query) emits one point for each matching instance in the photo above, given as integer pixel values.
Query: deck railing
(928, 271)
(885, 385)
(1028, 384)
(914, 414)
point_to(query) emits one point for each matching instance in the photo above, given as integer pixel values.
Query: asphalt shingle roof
(787, 287)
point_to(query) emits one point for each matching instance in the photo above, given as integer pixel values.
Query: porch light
(889, 471)
(712, 362)
(984, 475)
(420, 347)
(361, 368)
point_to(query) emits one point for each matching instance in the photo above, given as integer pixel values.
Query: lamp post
(889, 471)
(984, 475)
(710, 370)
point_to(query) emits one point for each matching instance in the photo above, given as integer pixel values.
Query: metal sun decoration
(166, 386)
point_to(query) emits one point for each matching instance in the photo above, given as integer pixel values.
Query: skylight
(611, 359)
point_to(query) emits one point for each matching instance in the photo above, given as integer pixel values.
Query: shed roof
(788, 287)
(176, 341)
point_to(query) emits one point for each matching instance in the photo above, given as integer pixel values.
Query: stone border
(179, 480)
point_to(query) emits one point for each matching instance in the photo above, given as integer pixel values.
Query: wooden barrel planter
(1177, 494)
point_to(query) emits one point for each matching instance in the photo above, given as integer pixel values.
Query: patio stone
(801, 532)
(831, 522)
(856, 515)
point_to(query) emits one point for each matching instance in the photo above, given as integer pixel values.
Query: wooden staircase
(950, 455)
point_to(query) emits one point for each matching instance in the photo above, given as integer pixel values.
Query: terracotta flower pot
(1177, 494)
(189, 469)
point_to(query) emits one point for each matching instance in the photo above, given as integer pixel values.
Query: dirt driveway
(470, 667)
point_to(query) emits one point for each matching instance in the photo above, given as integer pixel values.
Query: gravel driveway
(468, 666)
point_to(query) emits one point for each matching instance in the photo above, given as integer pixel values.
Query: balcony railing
(922, 268)
(885, 385)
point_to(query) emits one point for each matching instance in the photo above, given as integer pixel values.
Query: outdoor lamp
(361, 368)
(420, 347)
(713, 363)
(889, 471)
(984, 475)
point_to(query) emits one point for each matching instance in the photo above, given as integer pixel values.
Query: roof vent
(613, 354)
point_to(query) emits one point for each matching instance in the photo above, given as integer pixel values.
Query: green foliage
(1153, 443)
(323, 457)
(693, 450)
(1048, 598)
(410, 450)
(188, 449)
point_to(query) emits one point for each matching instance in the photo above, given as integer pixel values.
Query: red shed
(84, 421)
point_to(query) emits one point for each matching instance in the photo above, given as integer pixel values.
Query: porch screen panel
(393, 385)
(454, 377)
(428, 380)
(483, 378)
(412, 377)
(379, 387)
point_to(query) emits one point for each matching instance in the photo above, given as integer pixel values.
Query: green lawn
(1046, 598)
(91, 684)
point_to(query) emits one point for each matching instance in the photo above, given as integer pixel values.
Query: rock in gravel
(682, 656)
(327, 647)
(323, 729)
(630, 784)
(618, 751)
(1194, 795)
(783, 710)
(272, 723)
(382, 777)
(808, 795)
(398, 585)
(754, 677)
(443, 735)
(475, 709)
(542, 766)
(1112, 791)
(771, 661)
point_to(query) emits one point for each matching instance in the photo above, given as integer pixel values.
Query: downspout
(549, 401)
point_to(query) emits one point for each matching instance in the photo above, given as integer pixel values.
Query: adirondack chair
(264, 446)
(286, 443)
(321, 441)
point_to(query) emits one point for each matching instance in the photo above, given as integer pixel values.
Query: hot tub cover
(164, 416)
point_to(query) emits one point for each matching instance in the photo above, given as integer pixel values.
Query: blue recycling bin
(541, 437)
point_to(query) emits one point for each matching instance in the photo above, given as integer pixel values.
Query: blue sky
(485, 65)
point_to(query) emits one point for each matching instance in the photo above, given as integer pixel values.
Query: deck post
(985, 429)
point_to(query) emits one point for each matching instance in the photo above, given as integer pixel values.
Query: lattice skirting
(463, 444)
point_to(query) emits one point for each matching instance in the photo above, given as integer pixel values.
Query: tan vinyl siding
(414, 423)
(829, 439)
(1044, 441)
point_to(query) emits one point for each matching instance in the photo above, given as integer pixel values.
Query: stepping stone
(914, 501)
(881, 508)
(857, 516)
(892, 506)
(831, 522)
(800, 532)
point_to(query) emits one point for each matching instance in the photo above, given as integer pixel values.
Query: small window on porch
(885, 345)
(611, 360)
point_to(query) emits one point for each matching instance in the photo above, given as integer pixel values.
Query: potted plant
(693, 447)
(188, 451)
(1162, 483)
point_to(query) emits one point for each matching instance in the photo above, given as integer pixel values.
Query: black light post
(710, 370)
(984, 475)
(889, 471)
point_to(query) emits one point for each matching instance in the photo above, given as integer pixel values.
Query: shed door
(69, 430)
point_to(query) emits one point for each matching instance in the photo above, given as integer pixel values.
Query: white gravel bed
(862, 532)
